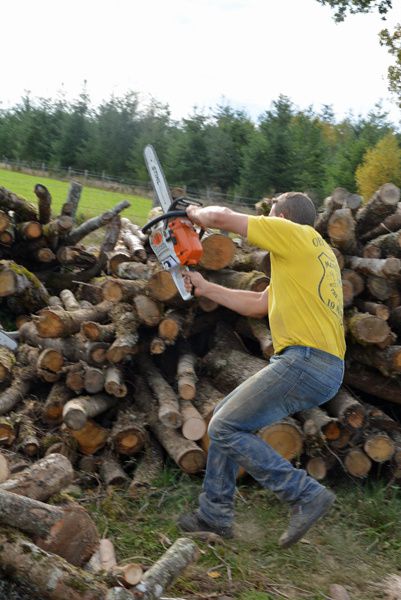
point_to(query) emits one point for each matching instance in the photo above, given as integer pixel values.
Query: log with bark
(163, 572)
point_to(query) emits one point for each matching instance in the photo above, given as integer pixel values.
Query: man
(305, 309)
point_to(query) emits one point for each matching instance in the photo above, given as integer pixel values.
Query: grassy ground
(93, 201)
(356, 546)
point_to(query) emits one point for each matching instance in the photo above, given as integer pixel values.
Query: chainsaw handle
(168, 215)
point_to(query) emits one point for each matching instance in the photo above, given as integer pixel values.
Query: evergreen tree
(309, 150)
(113, 126)
(275, 125)
(256, 170)
(67, 150)
(187, 158)
(154, 126)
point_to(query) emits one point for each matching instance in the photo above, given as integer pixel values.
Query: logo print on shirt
(330, 285)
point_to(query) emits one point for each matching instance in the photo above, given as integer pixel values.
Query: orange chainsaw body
(187, 245)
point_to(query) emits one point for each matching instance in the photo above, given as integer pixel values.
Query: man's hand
(197, 281)
(200, 216)
(218, 217)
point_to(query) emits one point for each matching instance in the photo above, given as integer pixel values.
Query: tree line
(224, 149)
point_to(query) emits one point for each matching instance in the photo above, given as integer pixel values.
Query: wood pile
(116, 372)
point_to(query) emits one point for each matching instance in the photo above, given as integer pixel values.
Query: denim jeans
(298, 378)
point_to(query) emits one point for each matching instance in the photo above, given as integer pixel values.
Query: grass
(93, 201)
(356, 546)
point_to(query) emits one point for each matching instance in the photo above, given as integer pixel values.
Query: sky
(196, 53)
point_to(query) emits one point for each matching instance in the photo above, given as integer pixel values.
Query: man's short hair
(296, 207)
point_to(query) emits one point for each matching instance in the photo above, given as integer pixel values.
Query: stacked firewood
(41, 252)
(117, 372)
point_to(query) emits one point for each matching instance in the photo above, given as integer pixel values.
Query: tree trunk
(69, 301)
(77, 234)
(379, 446)
(256, 329)
(7, 362)
(149, 311)
(162, 573)
(114, 382)
(126, 325)
(285, 437)
(372, 382)
(324, 425)
(94, 379)
(341, 231)
(347, 409)
(111, 471)
(388, 244)
(389, 224)
(15, 280)
(171, 325)
(193, 424)
(44, 203)
(380, 267)
(258, 260)
(61, 323)
(149, 468)
(96, 332)
(42, 479)
(23, 378)
(91, 438)
(169, 409)
(30, 230)
(374, 308)
(254, 280)
(122, 290)
(229, 367)
(186, 375)
(128, 434)
(218, 251)
(382, 204)
(28, 441)
(380, 288)
(23, 209)
(23, 561)
(71, 204)
(161, 287)
(387, 360)
(367, 329)
(133, 244)
(76, 412)
(357, 462)
(187, 455)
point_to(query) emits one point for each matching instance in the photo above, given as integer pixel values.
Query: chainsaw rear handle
(168, 215)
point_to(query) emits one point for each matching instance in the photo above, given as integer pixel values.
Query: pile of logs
(40, 252)
(114, 372)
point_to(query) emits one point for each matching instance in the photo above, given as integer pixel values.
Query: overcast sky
(188, 53)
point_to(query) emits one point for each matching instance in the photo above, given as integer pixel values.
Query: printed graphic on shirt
(330, 285)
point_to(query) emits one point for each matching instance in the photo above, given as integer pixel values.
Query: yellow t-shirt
(305, 292)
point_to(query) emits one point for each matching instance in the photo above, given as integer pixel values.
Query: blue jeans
(298, 378)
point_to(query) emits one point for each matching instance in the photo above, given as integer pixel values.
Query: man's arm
(219, 217)
(244, 302)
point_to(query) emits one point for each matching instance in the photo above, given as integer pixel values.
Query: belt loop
(307, 353)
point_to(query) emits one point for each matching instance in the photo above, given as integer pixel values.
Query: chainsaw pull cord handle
(168, 215)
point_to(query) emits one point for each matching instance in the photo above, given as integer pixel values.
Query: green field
(93, 201)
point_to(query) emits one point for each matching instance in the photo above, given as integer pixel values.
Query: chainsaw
(172, 236)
